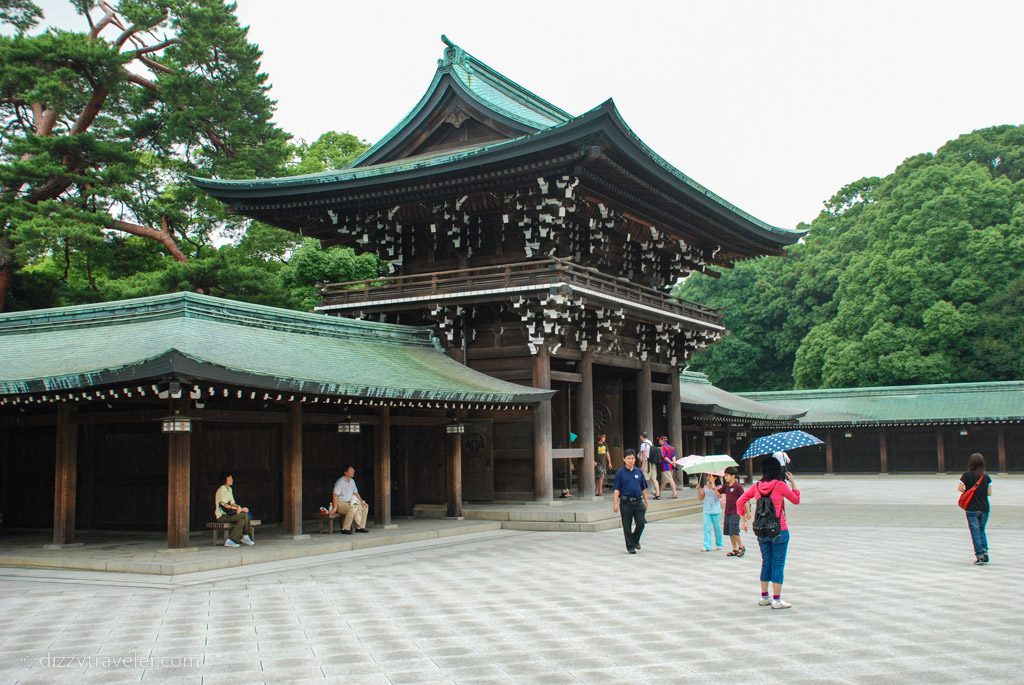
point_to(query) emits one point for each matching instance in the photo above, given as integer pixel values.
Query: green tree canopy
(914, 278)
(102, 126)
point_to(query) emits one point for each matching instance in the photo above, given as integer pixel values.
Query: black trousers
(632, 513)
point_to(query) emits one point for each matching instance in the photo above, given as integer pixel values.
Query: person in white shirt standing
(346, 500)
(649, 466)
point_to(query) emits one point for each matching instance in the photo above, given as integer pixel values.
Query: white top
(645, 450)
(345, 488)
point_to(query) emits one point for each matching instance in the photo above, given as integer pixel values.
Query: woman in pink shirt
(773, 550)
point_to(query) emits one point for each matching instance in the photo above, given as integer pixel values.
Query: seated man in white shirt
(346, 501)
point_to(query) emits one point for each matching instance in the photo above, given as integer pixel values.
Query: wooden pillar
(455, 474)
(179, 476)
(702, 442)
(675, 416)
(65, 481)
(830, 464)
(750, 469)
(645, 401)
(940, 451)
(728, 440)
(382, 467)
(1001, 448)
(585, 412)
(883, 451)
(291, 463)
(542, 465)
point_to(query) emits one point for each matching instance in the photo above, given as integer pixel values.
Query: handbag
(967, 495)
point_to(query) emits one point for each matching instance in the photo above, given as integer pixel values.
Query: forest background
(912, 278)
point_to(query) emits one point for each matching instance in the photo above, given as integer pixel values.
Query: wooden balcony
(490, 283)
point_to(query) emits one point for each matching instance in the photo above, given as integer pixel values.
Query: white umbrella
(712, 463)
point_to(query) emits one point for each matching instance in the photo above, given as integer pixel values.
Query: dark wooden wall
(960, 447)
(26, 476)
(857, 454)
(1014, 436)
(912, 450)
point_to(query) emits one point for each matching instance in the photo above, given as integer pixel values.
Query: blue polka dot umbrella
(780, 442)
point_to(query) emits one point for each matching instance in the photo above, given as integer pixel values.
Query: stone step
(581, 516)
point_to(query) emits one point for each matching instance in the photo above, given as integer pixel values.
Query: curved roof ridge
(455, 56)
(672, 169)
(194, 305)
(887, 390)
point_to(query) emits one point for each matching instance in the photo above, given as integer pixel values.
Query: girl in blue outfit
(712, 512)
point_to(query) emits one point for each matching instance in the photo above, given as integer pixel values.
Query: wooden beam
(382, 464)
(1001, 448)
(829, 457)
(454, 474)
(644, 401)
(617, 362)
(566, 376)
(65, 481)
(940, 451)
(291, 462)
(661, 387)
(179, 478)
(883, 452)
(542, 466)
(585, 412)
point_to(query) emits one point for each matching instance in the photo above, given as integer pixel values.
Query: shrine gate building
(542, 247)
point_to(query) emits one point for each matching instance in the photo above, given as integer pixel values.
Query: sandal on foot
(734, 553)
(743, 550)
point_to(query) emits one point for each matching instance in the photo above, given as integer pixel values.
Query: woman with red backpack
(770, 526)
(979, 484)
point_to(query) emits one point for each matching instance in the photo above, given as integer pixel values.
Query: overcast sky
(772, 105)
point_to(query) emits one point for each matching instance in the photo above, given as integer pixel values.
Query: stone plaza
(880, 576)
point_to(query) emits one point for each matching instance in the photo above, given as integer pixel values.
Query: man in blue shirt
(631, 500)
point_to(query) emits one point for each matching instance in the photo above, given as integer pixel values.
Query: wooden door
(608, 413)
(477, 462)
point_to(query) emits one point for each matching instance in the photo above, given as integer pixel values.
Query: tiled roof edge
(193, 305)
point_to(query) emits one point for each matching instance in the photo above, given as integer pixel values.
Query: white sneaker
(763, 602)
(231, 543)
(246, 540)
(779, 604)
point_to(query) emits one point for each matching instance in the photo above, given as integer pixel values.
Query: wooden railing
(540, 272)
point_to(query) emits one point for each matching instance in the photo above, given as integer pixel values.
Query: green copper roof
(543, 127)
(208, 338)
(699, 396)
(949, 403)
(481, 84)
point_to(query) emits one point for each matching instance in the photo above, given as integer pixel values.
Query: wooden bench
(327, 521)
(220, 530)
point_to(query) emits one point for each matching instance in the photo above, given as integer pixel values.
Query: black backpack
(766, 520)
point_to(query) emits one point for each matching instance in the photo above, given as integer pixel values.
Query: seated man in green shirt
(226, 510)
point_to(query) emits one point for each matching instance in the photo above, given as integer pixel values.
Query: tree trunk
(6, 269)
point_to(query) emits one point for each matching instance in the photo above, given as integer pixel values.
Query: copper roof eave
(279, 193)
(179, 366)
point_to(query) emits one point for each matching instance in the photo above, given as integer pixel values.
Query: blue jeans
(712, 522)
(976, 521)
(773, 557)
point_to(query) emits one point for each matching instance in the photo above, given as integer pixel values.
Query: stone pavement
(879, 574)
